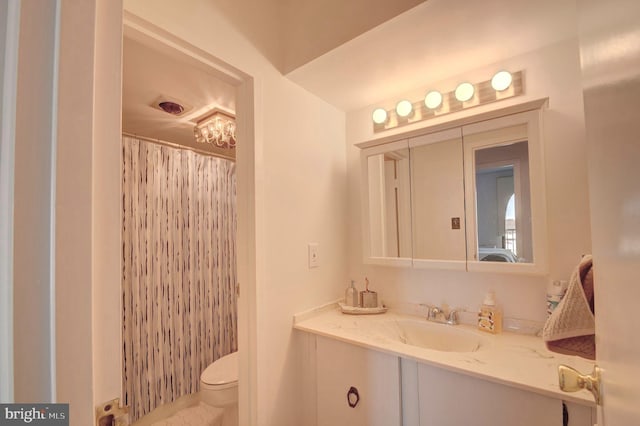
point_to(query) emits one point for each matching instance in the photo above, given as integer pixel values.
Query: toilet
(219, 387)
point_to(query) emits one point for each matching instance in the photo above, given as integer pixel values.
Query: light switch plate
(314, 260)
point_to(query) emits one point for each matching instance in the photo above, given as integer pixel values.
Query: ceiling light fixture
(218, 129)
(433, 99)
(501, 81)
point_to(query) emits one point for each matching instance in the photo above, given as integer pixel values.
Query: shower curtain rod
(178, 146)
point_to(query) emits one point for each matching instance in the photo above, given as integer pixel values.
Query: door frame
(142, 30)
(8, 97)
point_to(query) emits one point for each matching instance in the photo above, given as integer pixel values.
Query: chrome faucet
(436, 314)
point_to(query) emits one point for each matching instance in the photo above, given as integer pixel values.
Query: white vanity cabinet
(376, 376)
(511, 380)
(436, 397)
(580, 415)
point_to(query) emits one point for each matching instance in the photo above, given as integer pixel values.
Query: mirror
(503, 213)
(471, 197)
(437, 194)
(389, 203)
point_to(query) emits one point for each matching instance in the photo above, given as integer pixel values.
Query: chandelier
(218, 129)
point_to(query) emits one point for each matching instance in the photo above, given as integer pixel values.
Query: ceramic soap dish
(356, 310)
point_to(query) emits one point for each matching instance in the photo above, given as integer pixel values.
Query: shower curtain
(179, 270)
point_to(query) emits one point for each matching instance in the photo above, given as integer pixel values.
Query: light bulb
(464, 92)
(404, 108)
(501, 81)
(433, 99)
(379, 116)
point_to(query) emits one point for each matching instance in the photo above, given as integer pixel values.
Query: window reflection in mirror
(503, 204)
(389, 204)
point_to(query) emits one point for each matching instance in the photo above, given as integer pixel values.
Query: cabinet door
(452, 399)
(375, 375)
(579, 415)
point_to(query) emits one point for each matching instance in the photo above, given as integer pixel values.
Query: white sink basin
(439, 337)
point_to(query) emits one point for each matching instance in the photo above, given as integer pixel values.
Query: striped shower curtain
(179, 270)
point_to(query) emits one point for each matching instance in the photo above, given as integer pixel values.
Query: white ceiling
(287, 32)
(432, 41)
(290, 33)
(149, 75)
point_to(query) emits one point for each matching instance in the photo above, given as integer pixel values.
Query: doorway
(159, 40)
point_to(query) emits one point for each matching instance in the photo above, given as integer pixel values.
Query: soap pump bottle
(351, 295)
(555, 292)
(490, 315)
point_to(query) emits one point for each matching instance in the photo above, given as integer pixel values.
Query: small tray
(356, 310)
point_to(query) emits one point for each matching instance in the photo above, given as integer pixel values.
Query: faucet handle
(426, 306)
(453, 317)
(432, 312)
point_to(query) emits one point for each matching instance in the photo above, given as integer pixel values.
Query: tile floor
(188, 410)
(198, 415)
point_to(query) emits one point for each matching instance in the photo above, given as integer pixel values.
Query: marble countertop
(508, 358)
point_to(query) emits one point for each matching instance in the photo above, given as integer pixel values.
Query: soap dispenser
(351, 295)
(490, 315)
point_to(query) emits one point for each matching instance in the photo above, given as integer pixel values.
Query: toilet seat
(222, 373)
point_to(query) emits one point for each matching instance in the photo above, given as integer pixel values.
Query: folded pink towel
(571, 327)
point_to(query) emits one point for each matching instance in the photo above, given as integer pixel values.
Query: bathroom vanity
(401, 370)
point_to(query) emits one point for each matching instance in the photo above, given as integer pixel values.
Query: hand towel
(571, 327)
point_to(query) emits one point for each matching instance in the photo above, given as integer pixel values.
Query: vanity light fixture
(503, 85)
(501, 80)
(433, 99)
(404, 108)
(464, 91)
(379, 116)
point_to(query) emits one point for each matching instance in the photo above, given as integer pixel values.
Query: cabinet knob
(353, 397)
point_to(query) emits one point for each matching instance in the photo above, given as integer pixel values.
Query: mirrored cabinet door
(437, 194)
(387, 224)
(506, 216)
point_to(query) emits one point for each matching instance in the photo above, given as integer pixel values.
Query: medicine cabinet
(470, 196)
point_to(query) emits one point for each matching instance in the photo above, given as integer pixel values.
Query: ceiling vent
(171, 105)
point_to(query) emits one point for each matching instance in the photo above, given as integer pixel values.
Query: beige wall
(9, 39)
(300, 197)
(73, 211)
(551, 72)
(611, 82)
(106, 206)
(87, 210)
(35, 141)
(63, 205)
